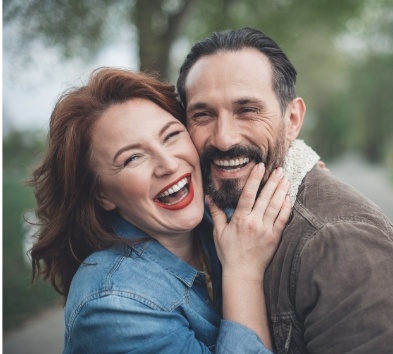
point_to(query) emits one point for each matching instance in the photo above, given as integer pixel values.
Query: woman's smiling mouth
(177, 195)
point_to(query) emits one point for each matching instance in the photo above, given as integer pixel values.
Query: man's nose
(226, 133)
(166, 163)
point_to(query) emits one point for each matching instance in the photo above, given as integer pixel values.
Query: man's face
(234, 120)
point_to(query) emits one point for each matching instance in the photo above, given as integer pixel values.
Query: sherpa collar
(299, 160)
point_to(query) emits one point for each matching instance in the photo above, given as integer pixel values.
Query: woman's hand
(247, 243)
(246, 246)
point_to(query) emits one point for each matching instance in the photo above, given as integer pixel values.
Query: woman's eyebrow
(166, 126)
(125, 148)
(134, 146)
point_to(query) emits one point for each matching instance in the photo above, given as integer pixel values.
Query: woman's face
(148, 168)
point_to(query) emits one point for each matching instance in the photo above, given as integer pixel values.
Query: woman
(120, 200)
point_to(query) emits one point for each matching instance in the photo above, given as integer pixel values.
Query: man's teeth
(175, 188)
(232, 162)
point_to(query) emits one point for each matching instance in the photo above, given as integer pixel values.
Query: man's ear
(105, 203)
(297, 110)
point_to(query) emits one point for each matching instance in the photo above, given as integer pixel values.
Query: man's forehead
(223, 58)
(225, 68)
(234, 77)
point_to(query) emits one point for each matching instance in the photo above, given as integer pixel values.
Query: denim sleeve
(118, 324)
(235, 338)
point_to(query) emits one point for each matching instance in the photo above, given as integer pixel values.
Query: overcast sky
(31, 90)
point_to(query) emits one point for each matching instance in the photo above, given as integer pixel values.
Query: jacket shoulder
(324, 199)
(120, 271)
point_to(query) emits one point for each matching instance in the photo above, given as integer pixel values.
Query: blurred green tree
(82, 27)
(371, 107)
(20, 299)
(322, 38)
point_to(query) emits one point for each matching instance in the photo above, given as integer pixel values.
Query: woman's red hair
(66, 187)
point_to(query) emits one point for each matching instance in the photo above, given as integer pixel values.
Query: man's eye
(248, 110)
(200, 115)
(200, 118)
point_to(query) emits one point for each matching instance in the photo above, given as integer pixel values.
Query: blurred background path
(372, 181)
(44, 334)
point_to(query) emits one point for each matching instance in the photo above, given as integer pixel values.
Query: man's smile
(232, 165)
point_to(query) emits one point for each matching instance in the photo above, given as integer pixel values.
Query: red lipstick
(184, 202)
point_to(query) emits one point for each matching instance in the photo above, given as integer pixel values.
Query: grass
(21, 300)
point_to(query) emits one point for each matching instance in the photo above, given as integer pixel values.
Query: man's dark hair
(284, 73)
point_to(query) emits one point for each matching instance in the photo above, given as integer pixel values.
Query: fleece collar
(300, 159)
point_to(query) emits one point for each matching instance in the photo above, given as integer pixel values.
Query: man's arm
(345, 289)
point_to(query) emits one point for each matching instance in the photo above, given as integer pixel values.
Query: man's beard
(228, 192)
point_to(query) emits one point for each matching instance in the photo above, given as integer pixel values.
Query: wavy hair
(71, 221)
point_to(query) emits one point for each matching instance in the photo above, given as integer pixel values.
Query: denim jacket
(329, 287)
(144, 299)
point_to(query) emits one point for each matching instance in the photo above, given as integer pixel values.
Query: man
(329, 288)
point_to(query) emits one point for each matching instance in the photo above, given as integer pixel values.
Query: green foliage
(372, 106)
(330, 134)
(75, 27)
(283, 20)
(21, 300)
(20, 149)
(345, 94)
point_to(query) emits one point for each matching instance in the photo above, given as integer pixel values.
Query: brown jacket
(329, 288)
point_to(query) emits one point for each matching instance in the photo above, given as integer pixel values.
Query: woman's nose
(166, 163)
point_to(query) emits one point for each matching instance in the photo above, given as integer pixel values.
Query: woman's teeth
(175, 188)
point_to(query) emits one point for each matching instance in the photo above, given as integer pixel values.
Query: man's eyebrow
(133, 146)
(238, 102)
(198, 105)
(248, 100)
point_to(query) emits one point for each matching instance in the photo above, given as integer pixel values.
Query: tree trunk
(157, 30)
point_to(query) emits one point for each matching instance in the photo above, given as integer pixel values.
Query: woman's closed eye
(132, 159)
(172, 135)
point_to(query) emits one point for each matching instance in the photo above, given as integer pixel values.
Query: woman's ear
(297, 110)
(105, 203)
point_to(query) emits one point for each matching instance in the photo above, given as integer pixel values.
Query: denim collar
(153, 250)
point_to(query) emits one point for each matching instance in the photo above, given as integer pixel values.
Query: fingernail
(261, 167)
(284, 181)
(279, 171)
